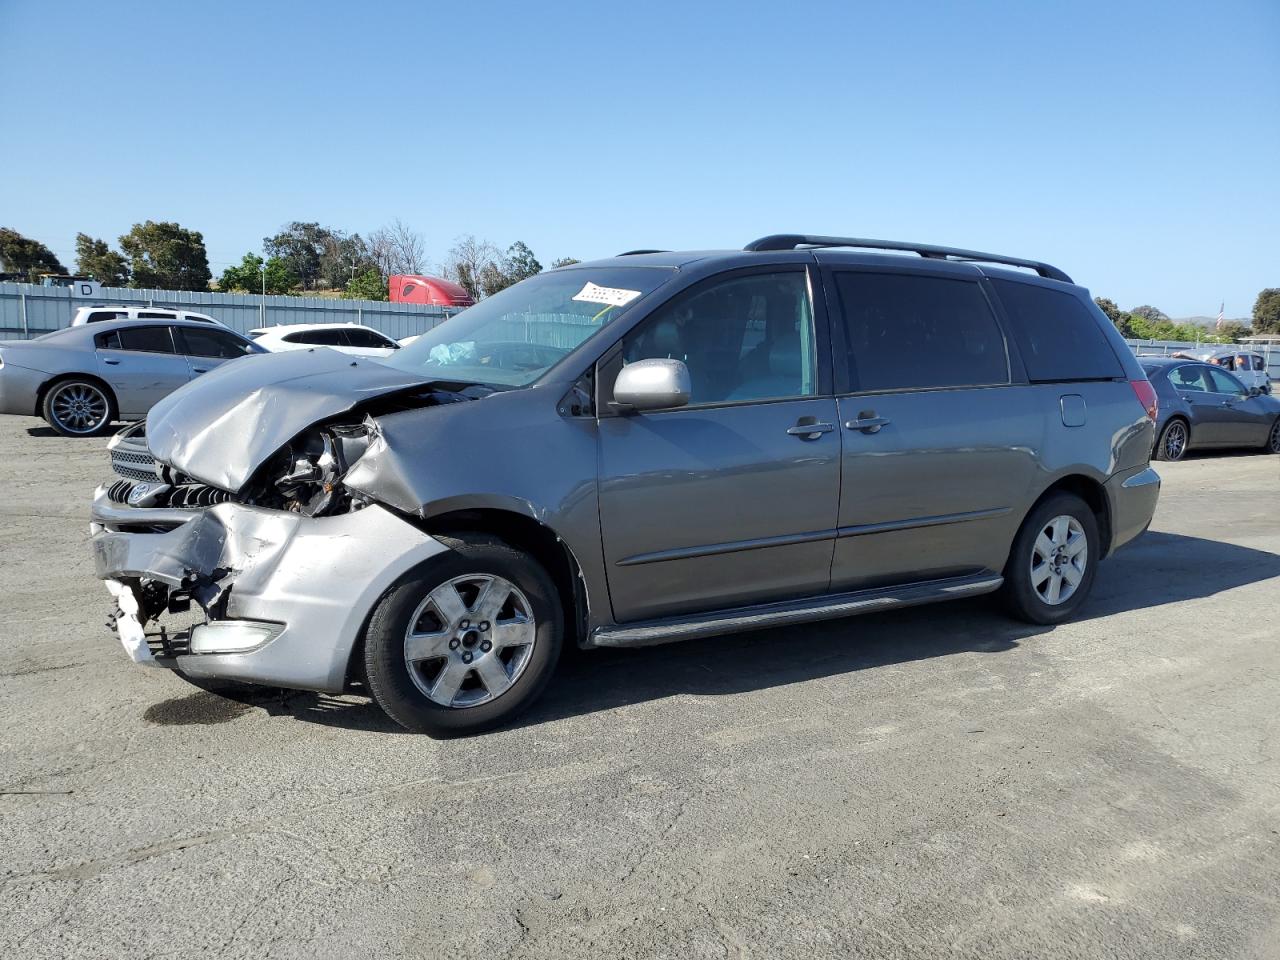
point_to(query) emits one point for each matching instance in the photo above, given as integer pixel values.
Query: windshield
(513, 337)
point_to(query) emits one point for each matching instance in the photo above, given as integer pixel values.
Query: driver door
(728, 501)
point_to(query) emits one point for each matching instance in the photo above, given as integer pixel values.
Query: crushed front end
(270, 584)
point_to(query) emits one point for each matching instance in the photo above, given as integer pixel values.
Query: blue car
(1204, 406)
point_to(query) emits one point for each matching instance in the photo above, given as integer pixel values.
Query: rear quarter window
(1058, 337)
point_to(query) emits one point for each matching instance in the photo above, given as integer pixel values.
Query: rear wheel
(1053, 561)
(1172, 445)
(79, 408)
(1273, 439)
(466, 641)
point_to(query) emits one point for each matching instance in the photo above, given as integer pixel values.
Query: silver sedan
(81, 379)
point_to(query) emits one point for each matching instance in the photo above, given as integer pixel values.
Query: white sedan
(349, 338)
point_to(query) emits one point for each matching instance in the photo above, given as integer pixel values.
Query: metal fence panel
(28, 310)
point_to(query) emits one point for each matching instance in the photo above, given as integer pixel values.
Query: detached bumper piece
(284, 597)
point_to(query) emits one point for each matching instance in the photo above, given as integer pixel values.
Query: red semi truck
(410, 288)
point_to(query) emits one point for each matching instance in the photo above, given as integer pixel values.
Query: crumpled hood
(222, 426)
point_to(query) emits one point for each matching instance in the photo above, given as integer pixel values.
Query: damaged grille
(184, 495)
(133, 466)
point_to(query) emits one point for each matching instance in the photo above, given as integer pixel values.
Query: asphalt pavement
(934, 782)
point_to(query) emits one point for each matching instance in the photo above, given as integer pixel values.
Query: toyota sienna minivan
(637, 450)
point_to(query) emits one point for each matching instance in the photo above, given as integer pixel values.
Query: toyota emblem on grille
(138, 493)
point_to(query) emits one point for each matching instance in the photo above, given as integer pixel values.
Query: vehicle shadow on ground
(1158, 568)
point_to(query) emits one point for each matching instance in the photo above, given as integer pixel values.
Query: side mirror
(651, 385)
(1255, 391)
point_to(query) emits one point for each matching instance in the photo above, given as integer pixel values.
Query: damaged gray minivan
(642, 449)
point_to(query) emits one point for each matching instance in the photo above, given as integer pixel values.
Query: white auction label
(614, 296)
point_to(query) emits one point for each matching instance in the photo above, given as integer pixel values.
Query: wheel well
(524, 533)
(52, 381)
(1177, 416)
(1092, 493)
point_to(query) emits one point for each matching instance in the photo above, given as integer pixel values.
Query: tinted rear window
(155, 339)
(908, 332)
(1057, 335)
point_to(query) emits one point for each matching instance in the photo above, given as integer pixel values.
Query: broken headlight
(306, 476)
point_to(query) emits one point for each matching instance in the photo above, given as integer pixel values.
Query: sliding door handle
(867, 424)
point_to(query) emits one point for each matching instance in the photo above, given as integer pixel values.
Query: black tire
(1167, 446)
(390, 683)
(52, 406)
(1020, 596)
(1273, 438)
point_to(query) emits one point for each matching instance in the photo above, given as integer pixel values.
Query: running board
(647, 633)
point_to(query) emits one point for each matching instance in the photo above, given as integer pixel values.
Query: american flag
(1221, 316)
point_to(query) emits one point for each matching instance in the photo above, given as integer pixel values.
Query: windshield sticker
(613, 296)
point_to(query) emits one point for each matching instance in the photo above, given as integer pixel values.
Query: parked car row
(115, 363)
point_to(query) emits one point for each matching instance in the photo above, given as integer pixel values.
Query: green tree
(24, 255)
(95, 259)
(301, 246)
(1150, 314)
(520, 263)
(370, 285)
(1233, 330)
(248, 276)
(166, 256)
(1266, 311)
(1115, 315)
(343, 258)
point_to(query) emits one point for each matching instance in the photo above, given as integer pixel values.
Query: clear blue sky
(1137, 145)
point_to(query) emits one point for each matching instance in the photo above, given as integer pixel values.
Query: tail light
(1146, 394)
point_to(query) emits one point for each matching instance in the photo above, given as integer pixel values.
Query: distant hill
(1212, 321)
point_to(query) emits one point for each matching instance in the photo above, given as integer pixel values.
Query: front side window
(369, 338)
(155, 315)
(155, 339)
(213, 343)
(1224, 382)
(744, 338)
(908, 332)
(555, 312)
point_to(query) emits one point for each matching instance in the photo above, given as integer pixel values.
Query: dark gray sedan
(82, 378)
(1204, 406)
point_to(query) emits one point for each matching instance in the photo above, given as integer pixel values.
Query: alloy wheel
(1175, 440)
(1274, 443)
(469, 640)
(1059, 559)
(78, 407)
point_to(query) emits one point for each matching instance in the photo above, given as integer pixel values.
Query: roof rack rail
(792, 241)
(632, 253)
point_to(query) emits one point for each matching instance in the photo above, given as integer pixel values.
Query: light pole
(262, 309)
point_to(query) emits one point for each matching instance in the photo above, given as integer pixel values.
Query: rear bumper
(1132, 497)
(318, 577)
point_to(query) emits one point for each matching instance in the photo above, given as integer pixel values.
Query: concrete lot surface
(938, 782)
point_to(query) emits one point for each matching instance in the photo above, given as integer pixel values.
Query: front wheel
(466, 641)
(1053, 561)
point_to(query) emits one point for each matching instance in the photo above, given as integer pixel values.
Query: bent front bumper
(316, 577)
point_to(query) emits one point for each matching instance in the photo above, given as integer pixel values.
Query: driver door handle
(111, 361)
(810, 429)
